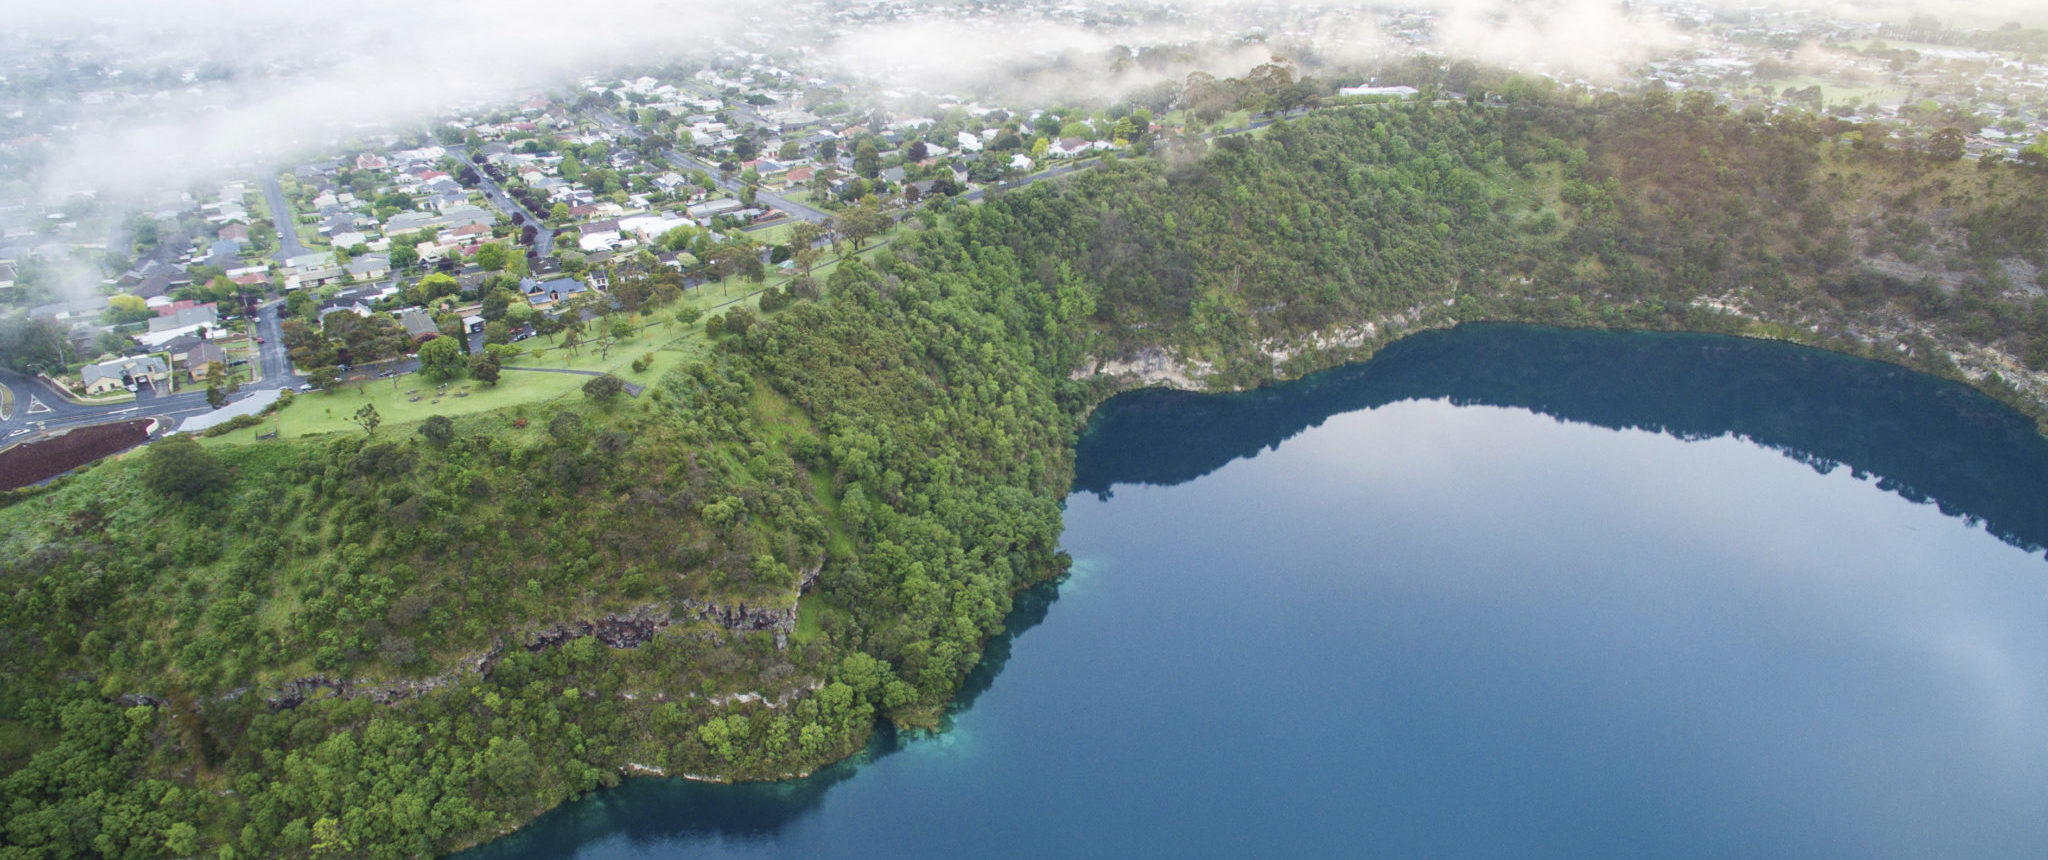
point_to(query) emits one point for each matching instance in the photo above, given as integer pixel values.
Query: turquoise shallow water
(1500, 592)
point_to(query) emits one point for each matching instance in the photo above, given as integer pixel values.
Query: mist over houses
(673, 165)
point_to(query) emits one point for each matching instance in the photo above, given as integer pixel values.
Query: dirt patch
(42, 460)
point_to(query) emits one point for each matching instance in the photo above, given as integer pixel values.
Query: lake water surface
(1500, 592)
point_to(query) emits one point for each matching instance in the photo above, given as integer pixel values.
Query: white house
(121, 372)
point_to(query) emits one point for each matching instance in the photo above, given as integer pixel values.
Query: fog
(305, 76)
(276, 80)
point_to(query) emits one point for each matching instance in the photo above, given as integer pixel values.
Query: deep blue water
(1500, 592)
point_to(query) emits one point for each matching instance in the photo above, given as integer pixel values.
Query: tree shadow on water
(1920, 437)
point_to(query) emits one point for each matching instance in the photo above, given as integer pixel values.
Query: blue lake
(1500, 592)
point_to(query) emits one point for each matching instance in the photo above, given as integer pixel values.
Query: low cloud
(279, 79)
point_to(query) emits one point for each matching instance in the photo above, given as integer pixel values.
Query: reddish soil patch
(34, 462)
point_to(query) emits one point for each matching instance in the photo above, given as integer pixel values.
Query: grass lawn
(1834, 93)
(775, 235)
(810, 613)
(407, 399)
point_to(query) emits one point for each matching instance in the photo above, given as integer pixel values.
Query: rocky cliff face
(630, 630)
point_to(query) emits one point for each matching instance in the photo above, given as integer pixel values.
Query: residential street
(766, 198)
(188, 401)
(543, 238)
(288, 245)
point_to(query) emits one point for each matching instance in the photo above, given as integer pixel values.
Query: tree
(863, 222)
(497, 332)
(433, 287)
(1946, 144)
(492, 257)
(918, 151)
(617, 330)
(404, 256)
(26, 343)
(866, 160)
(368, 418)
(438, 429)
(127, 309)
(180, 468)
(483, 366)
(216, 396)
(324, 378)
(603, 388)
(441, 359)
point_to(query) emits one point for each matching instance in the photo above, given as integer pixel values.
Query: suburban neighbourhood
(568, 230)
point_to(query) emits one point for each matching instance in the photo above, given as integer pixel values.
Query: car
(259, 338)
(305, 386)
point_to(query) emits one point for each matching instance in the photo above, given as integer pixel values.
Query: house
(418, 325)
(369, 267)
(236, 233)
(119, 373)
(344, 307)
(184, 318)
(7, 274)
(1068, 147)
(199, 359)
(1379, 92)
(712, 208)
(541, 295)
(473, 323)
(180, 348)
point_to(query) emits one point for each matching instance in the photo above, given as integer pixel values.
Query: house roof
(134, 365)
(184, 317)
(205, 353)
(417, 323)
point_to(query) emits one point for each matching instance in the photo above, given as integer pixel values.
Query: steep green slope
(398, 644)
(389, 646)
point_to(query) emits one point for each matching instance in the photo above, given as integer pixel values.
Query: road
(683, 160)
(63, 413)
(761, 195)
(543, 238)
(281, 215)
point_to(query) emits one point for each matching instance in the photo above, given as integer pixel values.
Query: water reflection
(1923, 438)
(1438, 630)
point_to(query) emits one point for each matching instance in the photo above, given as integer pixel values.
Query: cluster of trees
(27, 343)
(902, 435)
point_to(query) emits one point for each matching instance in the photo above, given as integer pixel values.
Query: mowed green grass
(407, 399)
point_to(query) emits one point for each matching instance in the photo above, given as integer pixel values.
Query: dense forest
(399, 642)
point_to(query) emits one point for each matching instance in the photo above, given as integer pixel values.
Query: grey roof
(203, 315)
(135, 365)
(417, 323)
(204, 353)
